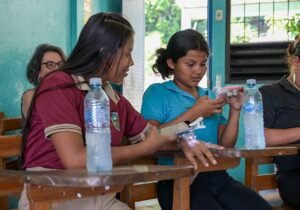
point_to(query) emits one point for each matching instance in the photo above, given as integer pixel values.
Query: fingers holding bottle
(207, 107)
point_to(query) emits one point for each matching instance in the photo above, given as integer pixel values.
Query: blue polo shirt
(165, 101)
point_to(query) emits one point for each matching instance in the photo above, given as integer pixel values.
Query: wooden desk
(46, 187)
(228, 158)
(256, 180)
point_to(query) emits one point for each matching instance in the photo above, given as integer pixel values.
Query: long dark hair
(34, 65)
(178, 46)
(99, 41)
(93, 55)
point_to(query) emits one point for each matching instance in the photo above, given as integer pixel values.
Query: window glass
(264, 20)
(172, 15)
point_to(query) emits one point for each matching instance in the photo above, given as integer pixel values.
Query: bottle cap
(251, 82)
(95, 81)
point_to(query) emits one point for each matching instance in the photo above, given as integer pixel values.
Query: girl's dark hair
(34, 65)
(93, 55)
(99, 41)
(178, 46)
(293, 50)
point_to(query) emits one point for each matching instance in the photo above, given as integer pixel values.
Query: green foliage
(162, 16)
(293, 26)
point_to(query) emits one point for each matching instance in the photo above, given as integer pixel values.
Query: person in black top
(281, 102)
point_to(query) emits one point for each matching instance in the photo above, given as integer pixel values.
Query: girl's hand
(194, 149)
(236, 102)
(206, 107)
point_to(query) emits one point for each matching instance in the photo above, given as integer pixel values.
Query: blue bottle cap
(95, 81)
(251, 82)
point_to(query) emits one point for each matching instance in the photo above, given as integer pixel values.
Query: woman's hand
(194, 149)
(205, 107)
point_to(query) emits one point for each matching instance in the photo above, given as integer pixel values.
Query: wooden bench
(10, 124)
(10, 146)
(258, 182)
(1, 115)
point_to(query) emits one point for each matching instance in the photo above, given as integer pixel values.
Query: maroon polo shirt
(59, 108)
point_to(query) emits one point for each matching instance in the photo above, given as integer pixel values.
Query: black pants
(214, 191)
(289, 187)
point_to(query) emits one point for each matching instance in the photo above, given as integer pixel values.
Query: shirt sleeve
(268, 105)
(153, 104)
(136, 127)
(56, 105)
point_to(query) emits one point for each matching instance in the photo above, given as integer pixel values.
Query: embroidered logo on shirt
(115, 120)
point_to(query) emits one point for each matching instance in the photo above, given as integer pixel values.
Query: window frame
(228, 53)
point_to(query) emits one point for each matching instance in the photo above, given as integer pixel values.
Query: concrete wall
(24, 25)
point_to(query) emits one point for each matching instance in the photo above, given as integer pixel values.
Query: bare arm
(192, 150)
(70, 149)
(281, 136)
(228, 134)
(26, 101)
(152, 143)
(75, 154)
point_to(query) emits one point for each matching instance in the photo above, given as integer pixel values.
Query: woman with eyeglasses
(46, 58)
(281, 101)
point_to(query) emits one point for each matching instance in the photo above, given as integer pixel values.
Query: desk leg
(181, 194)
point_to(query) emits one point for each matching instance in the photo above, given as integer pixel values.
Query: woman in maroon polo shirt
(54, 131)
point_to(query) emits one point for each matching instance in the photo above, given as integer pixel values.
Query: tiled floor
(272, 196)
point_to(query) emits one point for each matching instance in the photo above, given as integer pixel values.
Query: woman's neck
(294, 83)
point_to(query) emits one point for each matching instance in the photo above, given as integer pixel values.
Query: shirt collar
(287, 85)
(83, 85)
(172, 86)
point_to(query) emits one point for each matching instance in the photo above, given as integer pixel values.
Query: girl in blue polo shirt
(180, 100)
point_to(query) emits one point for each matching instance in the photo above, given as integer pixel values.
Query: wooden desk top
(120, 175)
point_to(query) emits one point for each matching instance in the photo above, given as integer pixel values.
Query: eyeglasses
(52, 65)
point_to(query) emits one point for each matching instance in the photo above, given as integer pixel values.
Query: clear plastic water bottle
(253, 117)
(97, 128)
